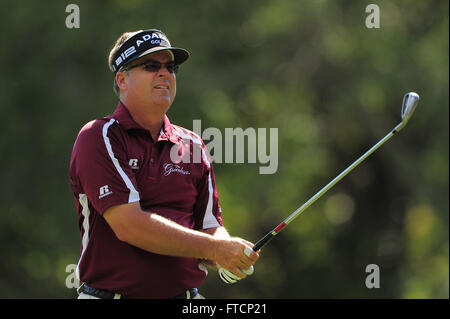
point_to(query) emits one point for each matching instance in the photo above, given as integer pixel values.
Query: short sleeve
(207, 210)
(99, 168)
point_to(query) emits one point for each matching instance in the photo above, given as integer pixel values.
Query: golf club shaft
(264, 240)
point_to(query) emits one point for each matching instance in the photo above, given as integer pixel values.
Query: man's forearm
(160, 235)
(217, 232)
(156, 234)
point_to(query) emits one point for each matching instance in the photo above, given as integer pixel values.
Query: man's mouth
(161, 87)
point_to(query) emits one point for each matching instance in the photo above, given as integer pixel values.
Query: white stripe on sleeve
(134, 195)
(82, 198)
(209, 220)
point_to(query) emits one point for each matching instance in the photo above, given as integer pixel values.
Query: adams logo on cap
(143, 43)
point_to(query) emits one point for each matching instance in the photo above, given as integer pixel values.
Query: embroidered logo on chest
(133, 163)
(170, 168)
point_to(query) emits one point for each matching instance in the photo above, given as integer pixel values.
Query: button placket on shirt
(153, 169)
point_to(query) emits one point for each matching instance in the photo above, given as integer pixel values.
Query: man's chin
(162, 104)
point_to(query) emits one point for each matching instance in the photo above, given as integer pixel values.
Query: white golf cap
(145, 42)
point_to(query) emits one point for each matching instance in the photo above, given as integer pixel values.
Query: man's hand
(235, 255)
(229, 277)
(224, 274)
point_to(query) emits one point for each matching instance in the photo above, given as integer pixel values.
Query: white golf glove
(230, 278)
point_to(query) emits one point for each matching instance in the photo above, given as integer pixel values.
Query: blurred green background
(310, 68)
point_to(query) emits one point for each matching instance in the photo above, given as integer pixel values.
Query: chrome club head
(410, 101)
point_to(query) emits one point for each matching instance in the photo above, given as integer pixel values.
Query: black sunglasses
(155, 66)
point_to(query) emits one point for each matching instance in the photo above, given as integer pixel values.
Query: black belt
(104, 294)
(99, 293)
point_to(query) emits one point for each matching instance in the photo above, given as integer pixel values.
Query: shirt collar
(123, 116)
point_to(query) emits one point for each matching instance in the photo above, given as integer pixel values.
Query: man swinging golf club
(146, 222)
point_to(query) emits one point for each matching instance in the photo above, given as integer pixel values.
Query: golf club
(410, 101)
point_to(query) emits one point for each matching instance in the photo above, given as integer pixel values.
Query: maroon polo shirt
(115, 161)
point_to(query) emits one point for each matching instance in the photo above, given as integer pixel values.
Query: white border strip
(82, 198)
(209, 220)
(134, 195)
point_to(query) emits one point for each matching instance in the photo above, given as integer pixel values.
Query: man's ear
(121, 80)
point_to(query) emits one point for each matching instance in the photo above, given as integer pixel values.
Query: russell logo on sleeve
(104, 191)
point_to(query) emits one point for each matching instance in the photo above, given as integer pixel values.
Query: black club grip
(263, 241)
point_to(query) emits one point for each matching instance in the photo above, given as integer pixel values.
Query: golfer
(147, 207)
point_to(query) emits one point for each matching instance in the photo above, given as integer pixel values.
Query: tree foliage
(312, 69)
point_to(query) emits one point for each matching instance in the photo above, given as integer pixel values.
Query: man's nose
(163, 70)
